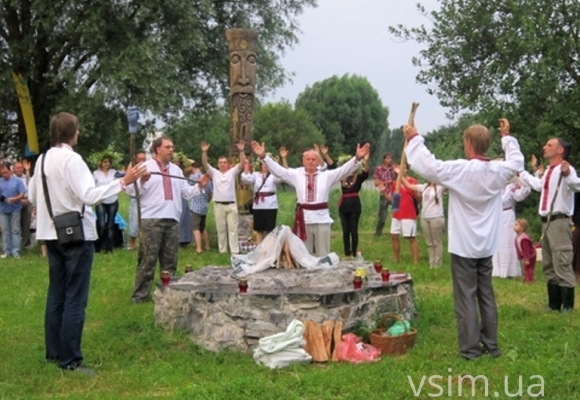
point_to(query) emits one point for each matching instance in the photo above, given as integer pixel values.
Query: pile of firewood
(322, 340)
(285, 259)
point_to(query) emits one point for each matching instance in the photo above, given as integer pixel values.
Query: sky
(352, 37)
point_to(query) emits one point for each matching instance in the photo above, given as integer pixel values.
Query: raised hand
(316, 148)
(283, 152)
(258, 149)
(241, 145)
(26, 165)
(534, 161)
(504, 126)
(323, 149)
(204, 147)
(409, 130)
(362, 151)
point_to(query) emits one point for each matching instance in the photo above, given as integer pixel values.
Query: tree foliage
(347, 110)
(95, 58)
(516, 58)
(195, 127)
(278, 124)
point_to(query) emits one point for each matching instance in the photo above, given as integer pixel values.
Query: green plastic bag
(399, 328)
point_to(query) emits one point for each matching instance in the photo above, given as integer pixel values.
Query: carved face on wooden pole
(243, 70)
(242, 45)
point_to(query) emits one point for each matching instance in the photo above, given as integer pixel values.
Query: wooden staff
(173, 176)
(397, 193)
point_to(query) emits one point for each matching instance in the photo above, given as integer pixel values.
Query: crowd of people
(167, 198)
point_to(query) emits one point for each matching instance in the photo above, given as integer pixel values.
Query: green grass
(135, 359)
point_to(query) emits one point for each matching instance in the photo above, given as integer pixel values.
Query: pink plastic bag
(353, 350)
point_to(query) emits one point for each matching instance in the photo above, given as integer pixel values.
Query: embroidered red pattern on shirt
(546, 190)
(167, 189)
(311, 188)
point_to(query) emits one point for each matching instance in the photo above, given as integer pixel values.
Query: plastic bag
(399, 328)
(353, 350)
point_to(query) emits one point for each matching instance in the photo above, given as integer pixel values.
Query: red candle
(357, 282)
(378, 267)
(243, 285)
(385, 274)
(165, 278)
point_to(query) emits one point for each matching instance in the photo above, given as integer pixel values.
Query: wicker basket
(392, 344)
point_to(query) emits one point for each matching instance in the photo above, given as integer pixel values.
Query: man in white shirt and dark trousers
(161, 206)
(475, 218)
(71, 187)
(224, 197)
(312, 222)
(557, 187)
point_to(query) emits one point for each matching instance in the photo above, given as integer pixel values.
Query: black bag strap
(45, 189)
(263, 182)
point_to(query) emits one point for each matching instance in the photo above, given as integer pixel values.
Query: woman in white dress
(505, 260)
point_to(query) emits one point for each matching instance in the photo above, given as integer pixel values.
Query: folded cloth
(281, 349)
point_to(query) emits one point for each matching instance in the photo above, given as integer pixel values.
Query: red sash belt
(261, 195)
(346, 196)
(299, 228)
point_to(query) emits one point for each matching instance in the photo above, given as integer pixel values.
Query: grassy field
(134, 359)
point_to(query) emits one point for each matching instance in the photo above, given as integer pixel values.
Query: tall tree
(347, 110)
(164, 57)
(519, 58)
(278, 124)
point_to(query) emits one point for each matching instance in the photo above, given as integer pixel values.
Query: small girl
(525, 248)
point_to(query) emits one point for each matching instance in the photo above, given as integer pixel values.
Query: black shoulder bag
(69, 226)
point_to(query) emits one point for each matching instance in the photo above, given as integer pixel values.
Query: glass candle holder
(165, 278)
(243, 285)
(385, 275)
(357, 282)
(378, 267)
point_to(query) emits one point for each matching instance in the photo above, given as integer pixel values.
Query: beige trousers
(433, 231)
(226, 223)
(318, 239)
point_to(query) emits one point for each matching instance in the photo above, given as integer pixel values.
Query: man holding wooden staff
(474, 230)
(161, 189)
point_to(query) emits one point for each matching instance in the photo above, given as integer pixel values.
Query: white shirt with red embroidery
(547, 184)
(312, 189)
(160, 196)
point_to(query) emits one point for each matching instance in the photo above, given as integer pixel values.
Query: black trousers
(105, 224)
(349, 232)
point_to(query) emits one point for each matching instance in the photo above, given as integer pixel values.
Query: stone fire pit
(207, 302)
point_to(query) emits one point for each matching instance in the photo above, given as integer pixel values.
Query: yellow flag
(27, 114)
